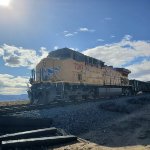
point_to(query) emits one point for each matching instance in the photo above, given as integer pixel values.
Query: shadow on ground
(130, 129)
(14, 124)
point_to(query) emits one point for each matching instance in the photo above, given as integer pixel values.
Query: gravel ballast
(111, 122)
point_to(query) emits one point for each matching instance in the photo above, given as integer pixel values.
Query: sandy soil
(93, 146)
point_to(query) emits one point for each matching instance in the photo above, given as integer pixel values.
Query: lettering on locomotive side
(78, 66)
(47, 73)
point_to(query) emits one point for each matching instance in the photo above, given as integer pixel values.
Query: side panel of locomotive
(71, 71)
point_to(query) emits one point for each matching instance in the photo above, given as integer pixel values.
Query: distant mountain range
(13, 97)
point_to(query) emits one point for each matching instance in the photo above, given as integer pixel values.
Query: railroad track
(7, 110)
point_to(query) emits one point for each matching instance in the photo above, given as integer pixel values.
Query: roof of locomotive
(123, 70)
(65, 53)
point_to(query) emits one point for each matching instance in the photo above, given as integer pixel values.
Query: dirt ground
(93, 146)
(11, 103)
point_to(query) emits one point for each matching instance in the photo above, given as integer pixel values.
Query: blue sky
(115, 31)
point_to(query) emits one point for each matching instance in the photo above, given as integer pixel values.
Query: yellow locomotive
(67, 74)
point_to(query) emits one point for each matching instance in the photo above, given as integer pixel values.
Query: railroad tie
(38, 142)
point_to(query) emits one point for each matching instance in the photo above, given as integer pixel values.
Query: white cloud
(69, 34)
(127, 37)
(13, 85)
(123, 53)
(66, 31)
(75, 32)
(13, 91)
(56, 47)
(44, 53)
(86, 30)
(19, 57)
(140, 71)
(1, 52)
(100, 40)
(112, 36)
